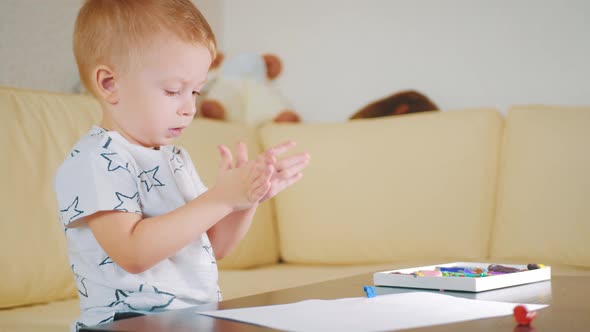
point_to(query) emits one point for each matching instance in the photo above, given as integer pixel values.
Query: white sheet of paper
(384, 312)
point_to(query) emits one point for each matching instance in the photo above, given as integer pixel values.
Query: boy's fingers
(226, 157)
(281, 148)
(262, 167)
(267, 172)
(262, 174)
(241, 154)
(292, 160)
(292, 170)
(267, 158)
(292, 180)
(282, 184)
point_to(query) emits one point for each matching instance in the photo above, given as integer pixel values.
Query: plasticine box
(466, 284)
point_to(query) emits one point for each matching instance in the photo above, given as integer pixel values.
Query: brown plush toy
(239, 90)
(399, 103)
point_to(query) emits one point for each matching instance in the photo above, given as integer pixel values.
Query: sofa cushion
(38, 131)
(56, 316)
(544, 188)
(260, 245)
(391, 189)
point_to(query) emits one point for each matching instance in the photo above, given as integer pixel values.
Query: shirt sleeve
(95, 181)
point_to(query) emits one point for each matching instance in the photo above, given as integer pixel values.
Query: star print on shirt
(97, 131)
(113, 166)
(175, 161)
(80, 283)
(80, 325)
(106, 261)
(127, 203)
(70, 212)
(106, 320)
(209, 250)
(149, 300)
(74, 153)
(148, 178)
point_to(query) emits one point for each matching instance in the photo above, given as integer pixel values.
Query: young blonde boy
(143, 232)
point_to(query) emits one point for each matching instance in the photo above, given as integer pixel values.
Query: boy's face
(157, 94)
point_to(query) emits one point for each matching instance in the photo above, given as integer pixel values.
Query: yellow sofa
(379, 194)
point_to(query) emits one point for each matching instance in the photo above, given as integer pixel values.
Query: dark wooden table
(568, 297)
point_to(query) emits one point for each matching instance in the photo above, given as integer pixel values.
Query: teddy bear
(403, 102)
(239, 89)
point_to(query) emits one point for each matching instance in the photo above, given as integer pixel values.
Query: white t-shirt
(105, 172)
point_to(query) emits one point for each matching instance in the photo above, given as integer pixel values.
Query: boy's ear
(106, 85)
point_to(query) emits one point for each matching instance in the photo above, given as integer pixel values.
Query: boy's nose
(188, 109)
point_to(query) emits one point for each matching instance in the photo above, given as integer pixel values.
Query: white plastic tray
(386, 278)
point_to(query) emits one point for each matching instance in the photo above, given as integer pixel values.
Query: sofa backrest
(38, 131)
(544, 190)
(393, 189)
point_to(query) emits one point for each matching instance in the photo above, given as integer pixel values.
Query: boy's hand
(287, 171)
(245, 184)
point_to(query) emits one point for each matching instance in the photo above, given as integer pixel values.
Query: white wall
(36, 41)
(339, 54)
(35, 44)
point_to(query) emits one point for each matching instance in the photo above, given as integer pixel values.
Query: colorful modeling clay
(469, 272)
(502, 268)
(430, 273)
(535, 266)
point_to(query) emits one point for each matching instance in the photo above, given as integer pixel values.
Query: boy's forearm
(229, 231)
(157, 238)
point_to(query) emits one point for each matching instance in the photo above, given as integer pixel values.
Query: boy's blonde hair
(113, 32)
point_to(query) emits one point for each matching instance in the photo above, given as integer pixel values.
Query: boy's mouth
(174, 132)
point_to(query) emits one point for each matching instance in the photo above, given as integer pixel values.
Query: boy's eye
(171, 93)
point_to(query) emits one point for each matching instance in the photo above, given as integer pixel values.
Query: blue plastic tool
(370, 291)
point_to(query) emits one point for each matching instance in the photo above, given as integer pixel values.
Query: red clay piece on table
(522, 316)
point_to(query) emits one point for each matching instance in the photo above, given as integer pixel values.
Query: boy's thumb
(226, 158)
